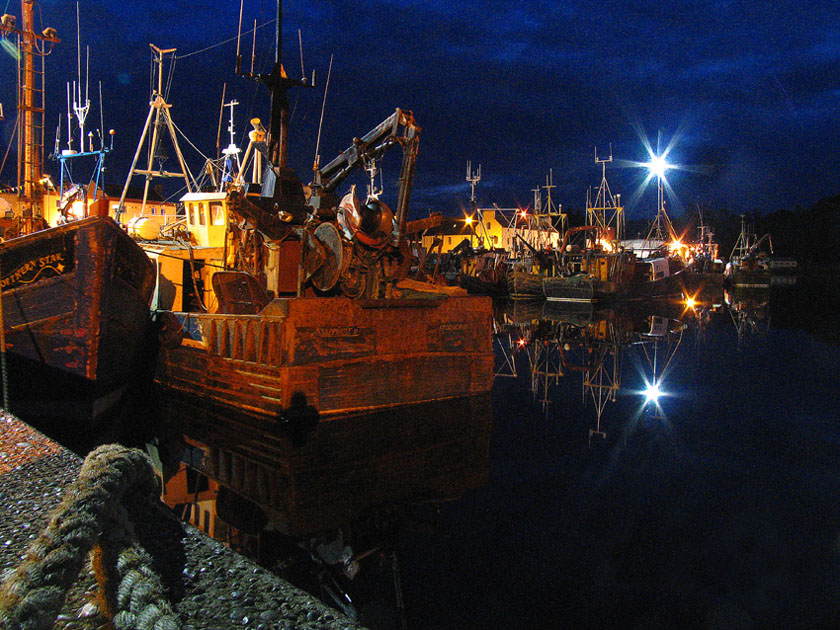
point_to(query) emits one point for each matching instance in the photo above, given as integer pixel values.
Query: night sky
(745, 94)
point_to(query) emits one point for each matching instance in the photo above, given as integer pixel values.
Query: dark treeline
(810, 235)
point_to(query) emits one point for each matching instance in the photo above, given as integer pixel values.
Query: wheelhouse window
(217, 214)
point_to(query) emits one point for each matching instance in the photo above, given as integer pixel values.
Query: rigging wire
(169, 79)
(8, 148)
(183, 135)
(323, 107)
(227, 41)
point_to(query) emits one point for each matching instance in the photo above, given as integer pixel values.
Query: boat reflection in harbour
(554, 341)
(318, 500)
(750, 312)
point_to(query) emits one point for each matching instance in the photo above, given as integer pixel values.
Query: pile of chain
(116, 485)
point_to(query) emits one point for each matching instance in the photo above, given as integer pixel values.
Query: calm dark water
(719, 510)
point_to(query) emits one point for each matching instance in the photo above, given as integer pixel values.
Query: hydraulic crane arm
(372, 145)
(756, 245)
(399, 128)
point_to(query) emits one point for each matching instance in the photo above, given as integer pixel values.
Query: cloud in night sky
(749, 90)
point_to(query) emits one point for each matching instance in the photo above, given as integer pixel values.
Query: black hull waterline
(75, 313)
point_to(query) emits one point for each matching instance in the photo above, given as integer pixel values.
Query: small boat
(488, 274)
(600, 271)
(75, 310)
(589, 269)
(748, 266)
(524, 284)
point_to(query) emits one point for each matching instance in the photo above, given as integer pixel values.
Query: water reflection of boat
(556, 340)
(308, 476)
(333, 491)
(749, 309)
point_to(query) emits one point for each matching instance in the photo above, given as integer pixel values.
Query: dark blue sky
(746, 92)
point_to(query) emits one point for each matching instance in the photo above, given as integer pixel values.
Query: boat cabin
(206, 218)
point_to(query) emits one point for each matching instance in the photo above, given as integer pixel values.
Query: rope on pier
(114, 484)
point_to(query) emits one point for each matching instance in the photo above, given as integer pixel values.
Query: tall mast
(278, 131)
(607, 211)
(278, 85)
(30, 103)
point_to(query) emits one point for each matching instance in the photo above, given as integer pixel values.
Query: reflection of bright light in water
(652, 392)
(10, 48)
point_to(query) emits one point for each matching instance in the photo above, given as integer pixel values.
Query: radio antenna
(321, 122)
(300, 45)
(238, 36)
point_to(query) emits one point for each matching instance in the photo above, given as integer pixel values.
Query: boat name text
(55, 262)
(338, 331)
(454, 327)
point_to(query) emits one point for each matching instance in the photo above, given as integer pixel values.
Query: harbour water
(718, 510)
(712, 507)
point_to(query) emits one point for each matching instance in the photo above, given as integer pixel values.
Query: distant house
(156, 205)
(494, 228)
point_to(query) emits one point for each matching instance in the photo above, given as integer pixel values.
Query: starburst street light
(657, 166)
(661, 229)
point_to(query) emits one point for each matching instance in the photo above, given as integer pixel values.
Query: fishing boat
(591, 265)
(308, 300)
(75, 297)
(748, 266)
(75, 310)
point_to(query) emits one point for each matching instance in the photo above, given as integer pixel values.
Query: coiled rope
(114, 484)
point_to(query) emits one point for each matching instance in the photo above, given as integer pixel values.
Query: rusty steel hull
(75, 312)
(334, 354)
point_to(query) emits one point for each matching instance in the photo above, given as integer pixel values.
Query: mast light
(658, 165)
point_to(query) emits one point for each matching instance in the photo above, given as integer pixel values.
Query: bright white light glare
(9, 48)
(652, 393)
(657, 166)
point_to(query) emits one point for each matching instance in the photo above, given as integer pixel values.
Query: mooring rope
(93, 517)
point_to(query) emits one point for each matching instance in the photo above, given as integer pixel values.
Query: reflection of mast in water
(546, 368)
(658, 346)
(571, 338)
(749, 312)
(602, 376)
(505, 344)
